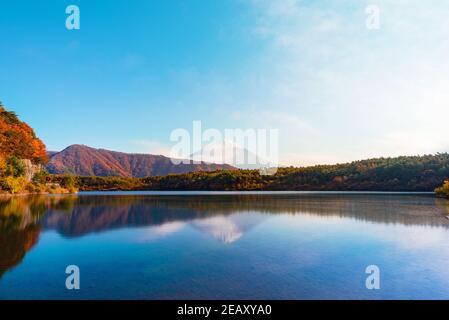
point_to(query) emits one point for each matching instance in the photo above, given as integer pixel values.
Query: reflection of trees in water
(443, 204)
(15, 245)
(19, 212)
(74, 216)
(99, 213)
(20, 226)
(21, 218)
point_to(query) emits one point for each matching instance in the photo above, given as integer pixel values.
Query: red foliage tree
(18, 139)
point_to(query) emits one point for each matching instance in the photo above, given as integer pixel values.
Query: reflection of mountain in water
(224, 217)
(221, 228)
(228, 229)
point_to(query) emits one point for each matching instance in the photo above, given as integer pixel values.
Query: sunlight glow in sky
(137, 70)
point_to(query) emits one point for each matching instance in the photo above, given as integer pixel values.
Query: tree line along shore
(417, 173)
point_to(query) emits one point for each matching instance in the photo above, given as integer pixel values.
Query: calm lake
(158, 245)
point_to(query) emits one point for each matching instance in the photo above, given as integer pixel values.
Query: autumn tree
(18, 139)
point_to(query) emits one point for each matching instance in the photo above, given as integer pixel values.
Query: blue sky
(136, 70)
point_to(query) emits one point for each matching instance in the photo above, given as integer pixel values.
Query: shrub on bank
(443, 191)
(13, 180)
(13, 184)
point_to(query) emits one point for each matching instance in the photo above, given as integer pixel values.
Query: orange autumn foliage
(18, 139)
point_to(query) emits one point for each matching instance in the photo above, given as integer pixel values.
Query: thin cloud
(148, 146)
(383, 90)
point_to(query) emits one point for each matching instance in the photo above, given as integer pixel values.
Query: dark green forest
(413, 173)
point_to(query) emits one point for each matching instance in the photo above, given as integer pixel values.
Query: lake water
(224, 246)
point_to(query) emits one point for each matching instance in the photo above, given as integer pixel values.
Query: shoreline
(24, 194)
(224, 192)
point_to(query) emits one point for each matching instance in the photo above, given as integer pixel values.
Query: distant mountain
(51, 153)
(87, 161)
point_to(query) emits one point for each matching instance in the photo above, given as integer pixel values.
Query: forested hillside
(418, 173)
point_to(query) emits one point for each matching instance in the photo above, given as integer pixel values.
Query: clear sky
(138, 69)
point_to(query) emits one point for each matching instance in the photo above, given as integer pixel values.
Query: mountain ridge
(83, 160)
